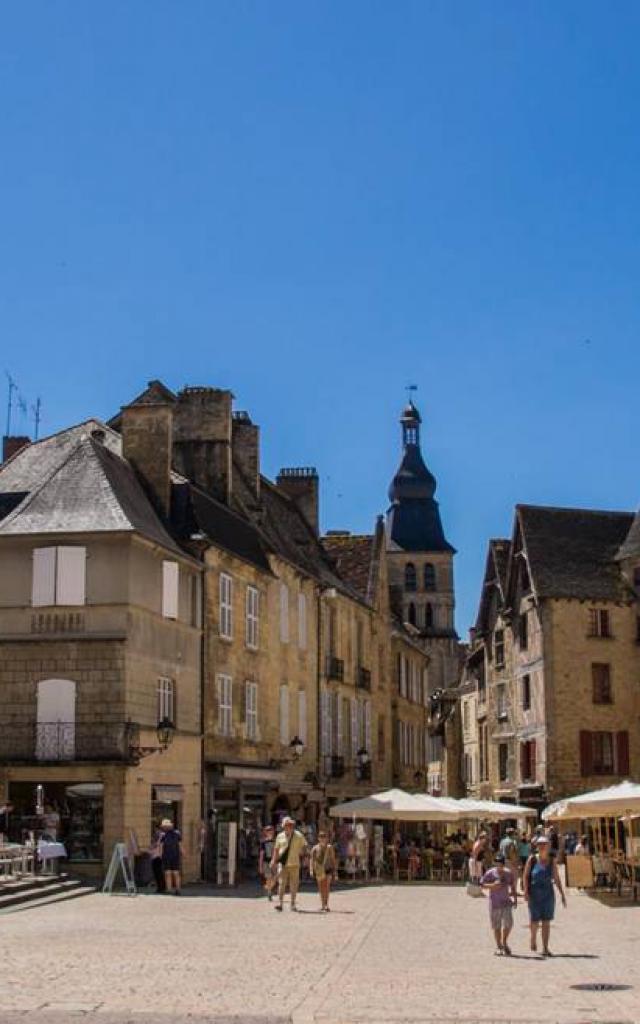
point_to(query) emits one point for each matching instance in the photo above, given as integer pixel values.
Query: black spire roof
(413, 520)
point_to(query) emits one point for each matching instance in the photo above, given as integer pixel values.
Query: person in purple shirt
(500, 883)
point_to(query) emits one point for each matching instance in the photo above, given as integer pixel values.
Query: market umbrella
(390, 805)
(600, 803)
(493, 810)
(439, 808)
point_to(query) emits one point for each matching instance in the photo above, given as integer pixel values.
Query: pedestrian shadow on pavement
(333, 912)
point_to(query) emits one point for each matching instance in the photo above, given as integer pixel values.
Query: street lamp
(362, 757)
(296, 747)
(165, 733)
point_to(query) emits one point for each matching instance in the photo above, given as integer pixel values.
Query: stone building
(100, 644)
(555, 657)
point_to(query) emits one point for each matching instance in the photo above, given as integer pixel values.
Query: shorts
(501, 917)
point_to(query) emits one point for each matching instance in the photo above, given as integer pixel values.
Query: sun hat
(499, 858)
(287, 821)
(166, 823)
(542, 840)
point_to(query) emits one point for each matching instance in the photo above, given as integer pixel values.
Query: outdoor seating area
(607, 857)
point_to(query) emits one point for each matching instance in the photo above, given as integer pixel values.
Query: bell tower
(420, 557)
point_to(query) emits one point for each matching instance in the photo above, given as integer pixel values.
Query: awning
(240, 772)
(168, 794)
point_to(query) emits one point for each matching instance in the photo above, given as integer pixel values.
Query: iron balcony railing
(364, 678)
(69, 741)
(335, 668)
(334, 766)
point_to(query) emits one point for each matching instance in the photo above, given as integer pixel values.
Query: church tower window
(410, 578)
(429, 576)
(411, 614)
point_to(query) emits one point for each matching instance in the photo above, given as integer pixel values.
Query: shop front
(66, 810)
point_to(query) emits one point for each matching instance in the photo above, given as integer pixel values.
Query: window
(483, 739)
(284, 613)
(166, 699)
(410, 578)
(501, 702)
(367, 726)
(355, 727)
(601, 683)
(523, 631)
(302, 716)
(528, 761)
(465, 716)
(428, 616)
(284, 715)
(599, 622)
(499, 648)
(251, 710)
(411, 614)
(636, 576)
(225, 705)
(503, 762)
(226, 606)
(381, 738)
(56, 720)
(252, 621)
(526, 692)
(59, 576)
(429, 576)
(604, 753)
(302, 621)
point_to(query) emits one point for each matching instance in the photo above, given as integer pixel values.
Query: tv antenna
(37, 413)
(12, 387)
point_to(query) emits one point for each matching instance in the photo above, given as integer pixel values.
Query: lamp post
(297, 748)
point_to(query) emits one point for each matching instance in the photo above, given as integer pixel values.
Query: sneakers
(278, 906)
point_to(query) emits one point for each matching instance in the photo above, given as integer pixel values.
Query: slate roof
(495, 575)
(571, 551)
(193, 511)
(91, 490)
(353, 558)
(27, 469)
(631, 546)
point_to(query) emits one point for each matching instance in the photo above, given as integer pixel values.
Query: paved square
(384, 954)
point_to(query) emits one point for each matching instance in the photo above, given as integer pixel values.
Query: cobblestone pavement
(384, 954)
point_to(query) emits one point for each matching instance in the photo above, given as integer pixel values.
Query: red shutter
(622, 747)
(586, 753)
(532, 760)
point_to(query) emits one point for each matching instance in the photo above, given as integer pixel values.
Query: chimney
(12, 445)
(202, 439)
(147, 430)
(301, 484)
(245, 443)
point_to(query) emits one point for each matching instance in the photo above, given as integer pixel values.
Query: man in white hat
(289, 847)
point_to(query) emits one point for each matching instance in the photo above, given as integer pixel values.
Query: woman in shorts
(323, 868)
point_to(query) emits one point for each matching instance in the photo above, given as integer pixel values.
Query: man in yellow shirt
(289, 847)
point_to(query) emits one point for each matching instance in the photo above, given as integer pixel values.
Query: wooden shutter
(170, 590)
(43, 589)
(355, 739)
(339, 731)
(70, 575)
(523, 762)
(586, 753)
(622, 753)
(532, 759)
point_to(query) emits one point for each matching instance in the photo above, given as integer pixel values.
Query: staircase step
(36, 890)
(74, 893)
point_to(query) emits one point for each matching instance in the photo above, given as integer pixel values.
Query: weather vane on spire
(410, 388)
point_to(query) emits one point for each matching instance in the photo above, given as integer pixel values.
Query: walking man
(289, 847)
(501, 885)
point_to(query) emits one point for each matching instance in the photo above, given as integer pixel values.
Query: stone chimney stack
(245, 440)
(202, 439)
(12, 445)
(147, 434)
(302, 485)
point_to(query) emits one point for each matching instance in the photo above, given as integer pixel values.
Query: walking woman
(323, 868)
(540, 876)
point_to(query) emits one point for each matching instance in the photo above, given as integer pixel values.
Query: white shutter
(302, 621)
(302, 716)
(367, 726)
(43, 589)
(324, 721)
(339, 729)
(284, 613)
(251, 710)
(170, 590)
(70, 575)
(284, 715)
(355, 745)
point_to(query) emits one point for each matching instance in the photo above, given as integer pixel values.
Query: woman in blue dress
(540, 876)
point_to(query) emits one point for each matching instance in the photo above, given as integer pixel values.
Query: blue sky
(316, 204)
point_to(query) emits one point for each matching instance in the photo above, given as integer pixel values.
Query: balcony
(363, 772)
(334, 668)
(363, 678)
(56, 742)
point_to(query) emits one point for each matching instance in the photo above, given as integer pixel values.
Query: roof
(353, 558)
(194, 511)
(571, 551)
(495, 579)
(31, 465)
(91, 490)
(631, 545)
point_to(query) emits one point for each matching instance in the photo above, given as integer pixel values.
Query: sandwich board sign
(120, 861)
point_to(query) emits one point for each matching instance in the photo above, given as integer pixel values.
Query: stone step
(66, 894)
(27, 892)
